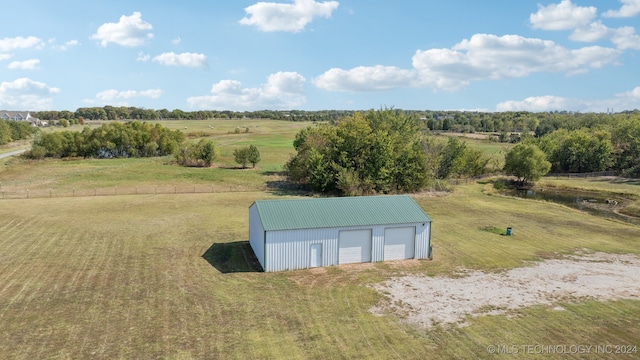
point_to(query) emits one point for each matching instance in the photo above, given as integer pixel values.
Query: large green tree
(526, 162)
(626, 147)
(372, 152)
(577, 151)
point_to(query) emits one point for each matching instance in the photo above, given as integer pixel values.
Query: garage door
(399, 243)
(355, 246)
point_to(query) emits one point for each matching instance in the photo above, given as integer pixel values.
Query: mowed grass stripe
(29, 305)
(19, 250)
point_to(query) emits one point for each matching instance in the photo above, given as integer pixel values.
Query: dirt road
(12, 153)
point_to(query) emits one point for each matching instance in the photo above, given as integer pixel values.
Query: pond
(594, 204)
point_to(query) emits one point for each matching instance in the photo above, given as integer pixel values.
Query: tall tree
(452, 159)
(241, 156)
(253, 155)
(526, 162)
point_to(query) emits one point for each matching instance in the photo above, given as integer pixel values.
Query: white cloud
(270, 16)
(630, 8)
(624, 37)
(183, 59)
(567, 16)
(5, 56)
(483, 57)
(591, 32)
(362, 78)
(539, 103)
(490, 57)
(283, 90)
(562, 16)
(67, 45)
(10, 44)
(24, 65)
(129, 31)
(111, 95)
(143, 57)
(622, 101)
(176, 41)
(24, 93)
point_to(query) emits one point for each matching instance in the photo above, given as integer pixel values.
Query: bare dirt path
(11, 153)
(427, 301)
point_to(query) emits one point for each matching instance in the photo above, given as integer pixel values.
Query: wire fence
(582, 175)
(21, 192)
(38, 187)
(466, 180)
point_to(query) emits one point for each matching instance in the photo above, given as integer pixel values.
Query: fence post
(50, 193)
(175, 189)
(74, 192)
(27, 193)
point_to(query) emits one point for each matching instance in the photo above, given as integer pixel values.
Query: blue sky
(499, 55)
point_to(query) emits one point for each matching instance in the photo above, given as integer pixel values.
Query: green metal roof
(339, 212)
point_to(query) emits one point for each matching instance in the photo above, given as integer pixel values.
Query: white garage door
(355, 246)
(399, 243)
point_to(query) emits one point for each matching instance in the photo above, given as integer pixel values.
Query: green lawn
(272, 138)
(604, 184)
(140, 277)
(171, 276)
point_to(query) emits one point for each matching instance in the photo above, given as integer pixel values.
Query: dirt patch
(428, 301)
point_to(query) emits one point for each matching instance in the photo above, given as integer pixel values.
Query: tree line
(391, 151)
(133, 139)
(11, 130)
(111, 140)
(607, 146)
(122, 113)
(458, 121)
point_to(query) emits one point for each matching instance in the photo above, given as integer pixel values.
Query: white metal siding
(399, 243)
(291, 249)
(256, 234)
(423, 240)
(354, 246)
(315, 258)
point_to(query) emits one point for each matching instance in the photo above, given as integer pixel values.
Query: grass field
(171, 276)
(272, 138)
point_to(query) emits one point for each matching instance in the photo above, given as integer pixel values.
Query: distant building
(305, 233)
(20, 116)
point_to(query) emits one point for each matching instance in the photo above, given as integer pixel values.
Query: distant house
(304, 233)
(20, 116)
